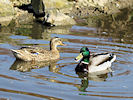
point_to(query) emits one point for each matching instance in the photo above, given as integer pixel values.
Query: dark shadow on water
(35, 31)
(23, 66)
(38, 31)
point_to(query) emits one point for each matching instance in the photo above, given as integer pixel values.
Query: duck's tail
(113, 57)
(16, 53)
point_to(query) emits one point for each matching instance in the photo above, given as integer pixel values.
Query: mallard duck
(38, 53)
(95, 62)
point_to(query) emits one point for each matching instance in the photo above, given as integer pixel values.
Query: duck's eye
(87, 49)
(81, 51)
(85, 53)
(60, 40)
(84, 49)
(56, 41)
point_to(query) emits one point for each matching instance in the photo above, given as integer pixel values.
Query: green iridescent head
(84, 55)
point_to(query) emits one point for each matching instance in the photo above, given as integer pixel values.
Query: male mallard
(95, 62)
(39, 54)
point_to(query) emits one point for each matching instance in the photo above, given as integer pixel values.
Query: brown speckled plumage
(38, 53)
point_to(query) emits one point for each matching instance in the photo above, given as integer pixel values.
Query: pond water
(58, 80)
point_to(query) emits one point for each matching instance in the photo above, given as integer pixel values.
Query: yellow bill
(61, 43)
(79, 57)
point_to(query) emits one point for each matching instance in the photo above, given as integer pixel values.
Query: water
(58, 80)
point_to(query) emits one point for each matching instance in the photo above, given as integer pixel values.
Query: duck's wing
(98, 59)
(30, 50)
(36, 50)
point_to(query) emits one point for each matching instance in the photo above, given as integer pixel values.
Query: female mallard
(95, 62)
(39, 54)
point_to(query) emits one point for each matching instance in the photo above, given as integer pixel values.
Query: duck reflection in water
(85, 77)
(24, 66)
